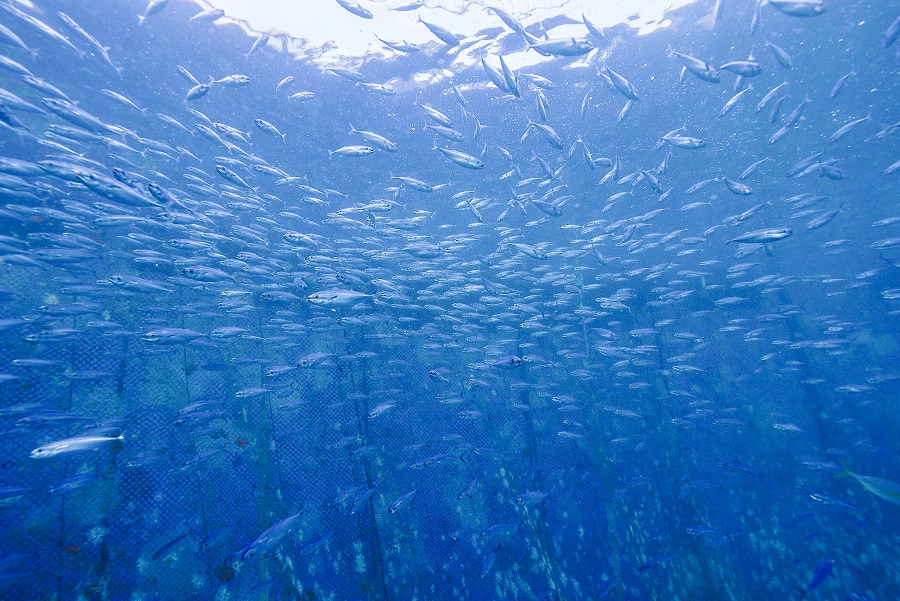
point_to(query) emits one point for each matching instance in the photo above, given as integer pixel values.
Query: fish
(462, 159)
(269, 129)
(10, 37)
(764, 102)
(743, 68)
(435, 115)
(733, 100)
(259, 42)
(622, 85)
(782, 57)
(562, 47)
(880, 487)
(314, 359)
(171, 336)
(799, 8)
(737, 187)
(208, 15)
(76, 444)
(355, 8)
(444, 35)
(846, 129)
(198, 91)
(763, 236)
(381, 409)
(512, 85)
(103, 50)
(697, 67)
(348, 74)
(270, 538)
(352, 151)
(496, 77)
(822, 219)
(337, 297)
(822, 571)
(891, 33)
(399, 45)
(123, 100)
(530, 498)
(153, 7)
(231, 80)
(401, 501)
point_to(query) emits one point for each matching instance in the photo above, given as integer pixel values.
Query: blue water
(337, 386)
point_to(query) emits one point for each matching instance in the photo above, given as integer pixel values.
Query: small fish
(259, 43)
(763, 236)
(198, 91)
(822, 571)
(381, 409)
(153, 7)
(561, 47)
(415, 5)
(684, 142)
(347, 74)
(400, 502)
(733, 100)
(783, 58)
(462, 159)
(434, 114)
(527, 499)
(399, 45)
(232, 80)
(122, 100)
(700, 68)
(268, 128)
(737, 187)
(799, 8)
(376, 140)
(351, 151)
(337, 298)
(622, 85)
(415, 184)
(846, 129)
(354, 7)
(314, 359)
(743, 68)
(509, 362)
(880, 487)
(73, 445)
(822, 220)
(208, 16)
(271, 538)
(442, 34)
(171, 336)
(283, 83)
(891, 33)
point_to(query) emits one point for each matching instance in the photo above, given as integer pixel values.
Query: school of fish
(619, 324)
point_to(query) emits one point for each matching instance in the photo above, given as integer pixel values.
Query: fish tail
(141, 20)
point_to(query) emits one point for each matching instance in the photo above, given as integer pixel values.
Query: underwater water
(618, 324)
